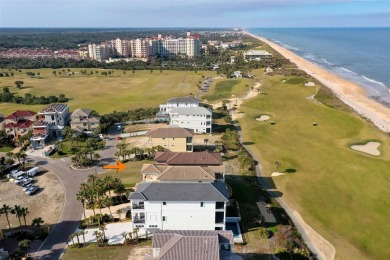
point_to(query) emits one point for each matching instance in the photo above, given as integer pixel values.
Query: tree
(24, 212)
(6, 210)
(83, 233)
(24, 245)
(107, 202)
(80, 196)
(206, 141)
(17, 211)
(37, 222)
(277, 164)
(77, 234)
(60, 146)
(71, 236)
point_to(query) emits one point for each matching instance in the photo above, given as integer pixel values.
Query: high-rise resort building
(99, 52)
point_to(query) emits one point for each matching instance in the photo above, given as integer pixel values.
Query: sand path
(350, 93)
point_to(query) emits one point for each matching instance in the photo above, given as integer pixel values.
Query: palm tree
(37, 222)
(24, 245)
(83, 233)
(102, 229)
(76, 234)
(17, 211)
(107, 202)
(96, 156)
(98, 236)
(24, 212)
(71, 236)
(108, 183)
(80, 196)
(6, 210)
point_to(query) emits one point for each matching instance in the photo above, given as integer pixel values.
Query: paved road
(55, 243)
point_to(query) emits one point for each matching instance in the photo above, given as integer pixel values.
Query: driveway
(56, 241)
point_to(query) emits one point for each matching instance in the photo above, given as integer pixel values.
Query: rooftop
(52, 108)
(185, 158)
(172, 132)
(191, 244)
(20, 124)
(82, 112)
(257, 52)
(21, 113)
(161, 191)
(191, 111)
(183, 100)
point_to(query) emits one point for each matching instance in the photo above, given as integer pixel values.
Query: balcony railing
(138, 206)
(139, 220)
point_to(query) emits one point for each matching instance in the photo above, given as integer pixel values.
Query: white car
(32, 190)
(27, 187)
(20, 179)
(27, 181)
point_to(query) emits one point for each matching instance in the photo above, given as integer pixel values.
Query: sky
(195, 13)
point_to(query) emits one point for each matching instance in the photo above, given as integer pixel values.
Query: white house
(198, 119)
(162, 115)
(179, 206)
(257, 55)
(57, 116)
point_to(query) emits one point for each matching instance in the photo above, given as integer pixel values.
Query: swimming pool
(233, 226)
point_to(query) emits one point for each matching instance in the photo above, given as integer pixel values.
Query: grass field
(104, 94)
(95, 252)
(129, 176)
(222, 89)
(343, 194)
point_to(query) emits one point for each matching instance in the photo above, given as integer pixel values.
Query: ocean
(361, 55)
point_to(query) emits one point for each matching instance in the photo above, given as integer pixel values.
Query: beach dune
(350, 93)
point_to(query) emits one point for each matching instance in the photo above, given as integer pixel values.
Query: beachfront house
(179, 206)
(83, 119)
(192, 245)
(194, 158)
(257, 55)
(198, 119)
(57, 116)
(40, 135)
(163, 114)
(174, 139)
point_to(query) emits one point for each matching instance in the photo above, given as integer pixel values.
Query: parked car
(26, 181)
(20, 179)
(32, 190)
(27, 187)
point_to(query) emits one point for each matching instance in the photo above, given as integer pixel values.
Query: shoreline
(352, 94)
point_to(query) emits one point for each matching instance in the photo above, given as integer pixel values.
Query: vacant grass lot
(222, 89)
(129, 176)
(104, 94)
(343, 194)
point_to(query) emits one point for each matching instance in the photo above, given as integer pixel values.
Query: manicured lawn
(341, 193)
(129, 176)
(68, 152)
(105, 94)
(222, 89)
(95, 252)
(6, 149)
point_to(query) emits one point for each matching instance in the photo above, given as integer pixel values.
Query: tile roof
(190, 244)
(186, 158)
(190, 111)
(183, 100)
(163, 191)
(21, 113)
(186, 173)
(171, 132)
(20, 124)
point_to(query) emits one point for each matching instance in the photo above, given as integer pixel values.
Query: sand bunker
(263, 118)
(310, 84)
(370, 148)
(274, 174)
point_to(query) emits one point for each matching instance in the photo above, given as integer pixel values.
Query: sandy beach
(350, 93)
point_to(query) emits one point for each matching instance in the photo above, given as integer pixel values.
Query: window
(164, 218)
(202, 204)
(164, 203)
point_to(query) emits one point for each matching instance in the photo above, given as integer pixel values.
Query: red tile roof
(21, 113)
(185, 158)
(20, 124)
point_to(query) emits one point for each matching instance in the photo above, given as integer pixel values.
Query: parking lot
(47, 202)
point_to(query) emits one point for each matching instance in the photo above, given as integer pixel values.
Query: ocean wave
(289, 47)
(348, 70)
(327, 62)
(374, 81)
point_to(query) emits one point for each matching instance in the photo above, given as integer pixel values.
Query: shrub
(263, 232)
(128, 214)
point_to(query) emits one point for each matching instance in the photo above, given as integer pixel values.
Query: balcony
(139, 220)
(219, 217)
(140, 205)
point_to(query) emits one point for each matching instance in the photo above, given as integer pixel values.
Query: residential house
(19, 123)
(163, 114)
(236, 74)
(198, 119)
(187, 173)
(174, 139)
(82, 119)
(192, 245)
(179, 206)
(57, 116)
(41, 133)
(194, 158)
(257, 55)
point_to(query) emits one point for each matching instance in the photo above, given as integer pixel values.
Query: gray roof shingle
(172, 132)
(191, 111)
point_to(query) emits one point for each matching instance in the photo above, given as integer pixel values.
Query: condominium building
(120, 47)
(99, 52)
